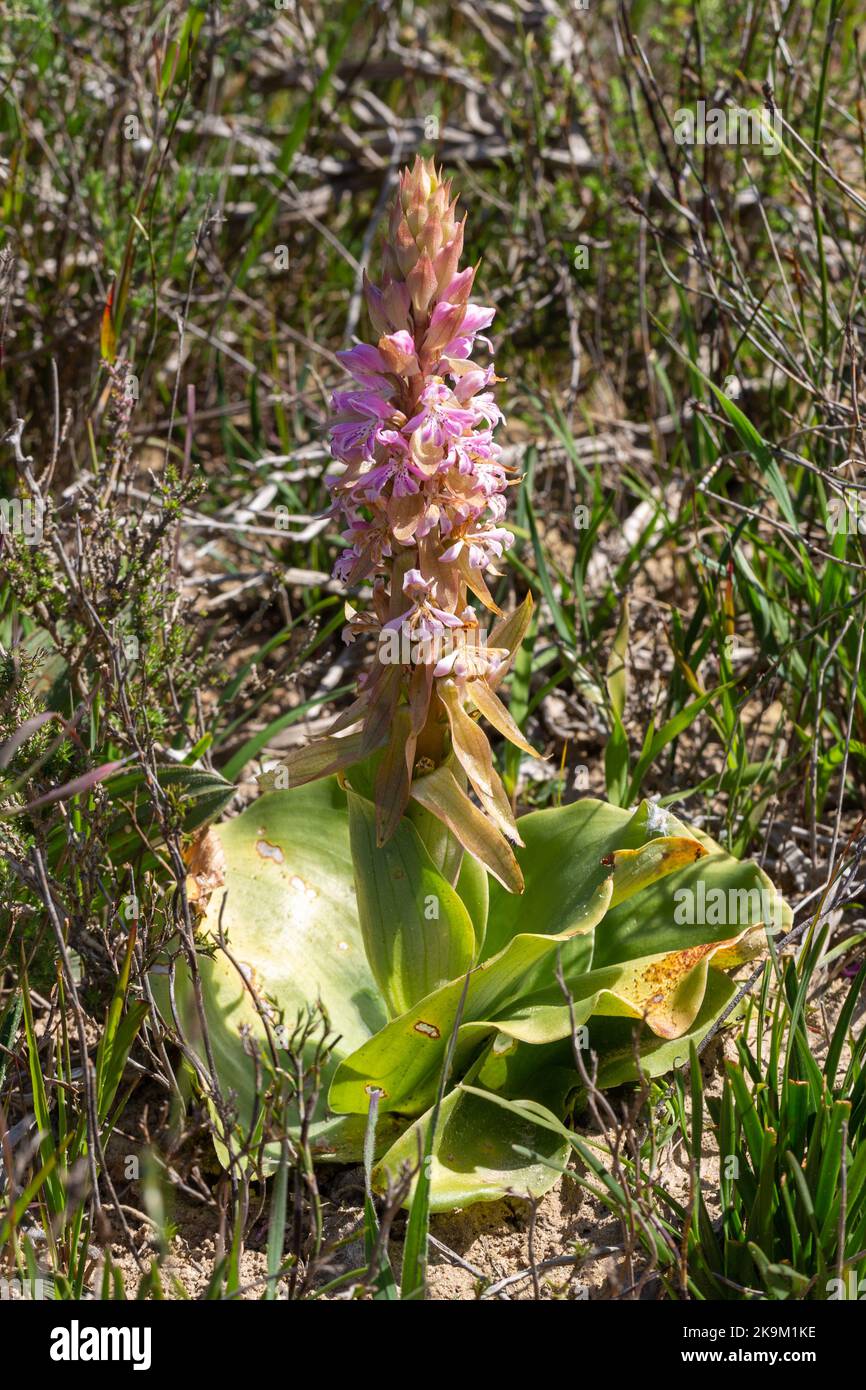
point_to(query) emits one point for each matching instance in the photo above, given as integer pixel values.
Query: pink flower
(483, 546)
(462, 345)
(442, 420)
(353, 432)
(367, 366)
(399, 352)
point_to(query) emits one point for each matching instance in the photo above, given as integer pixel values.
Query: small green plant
(791, 1134)
(783, 1215)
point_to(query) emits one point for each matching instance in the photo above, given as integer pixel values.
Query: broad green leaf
(474, 1156)
(404, 1059)
(711, 900)
(474, 890)
(279, 877)
(416, 931)
(564, 847)
(666, 993)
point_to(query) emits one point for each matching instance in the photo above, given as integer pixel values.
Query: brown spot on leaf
(270, 851)
(428, 1029)
(608, 861)
(375, 1091)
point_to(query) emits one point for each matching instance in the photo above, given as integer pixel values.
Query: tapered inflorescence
(419, 485)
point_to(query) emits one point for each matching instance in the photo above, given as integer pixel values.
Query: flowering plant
(461, 956)
(420, 487)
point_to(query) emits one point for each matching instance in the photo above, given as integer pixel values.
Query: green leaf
(414, 1272)
(474, 889)
(564, 848)
(733, 895)
(613, 1039)
(416, 931)
(403, 1060)
(279, 877)
(54, 1188)
(474, 1156)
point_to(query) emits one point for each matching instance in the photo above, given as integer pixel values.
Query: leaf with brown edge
(477, 585)
(475, 757)
(319, 759)
(496, 714)
(634, 869)
(441, 794)
(509, 633)
(666, 991)
(746, 948)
